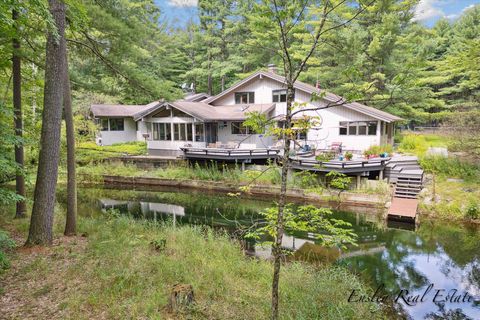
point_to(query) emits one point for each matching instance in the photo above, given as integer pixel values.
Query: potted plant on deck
(348, 156)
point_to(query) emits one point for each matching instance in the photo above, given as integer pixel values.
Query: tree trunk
(41, 223)
(17, 111)
(71, 222)
(210, 84)
(277, 245)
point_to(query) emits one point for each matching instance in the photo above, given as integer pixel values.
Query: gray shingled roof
(119, 110)
(208, 112)
(373, 112)
(196, 97)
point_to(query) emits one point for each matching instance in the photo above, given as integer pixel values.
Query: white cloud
(183, 3)
(427, 9)
(452, 16)
(467, 8)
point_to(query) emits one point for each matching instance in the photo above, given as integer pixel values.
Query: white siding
(172, 144)
(262, 88)
(128, 134)
(225, 136)
(322, 137)
(329, 130)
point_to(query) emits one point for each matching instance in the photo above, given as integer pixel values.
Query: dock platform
(403, 209)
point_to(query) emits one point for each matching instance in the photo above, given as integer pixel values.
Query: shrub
(472, 211)
(325, 156)
(377, 150)
(305, 179)
(450, 167)
(413, 143)
(5, 243)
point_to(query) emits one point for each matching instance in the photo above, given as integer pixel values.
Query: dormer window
(280, 95)
(244, 97)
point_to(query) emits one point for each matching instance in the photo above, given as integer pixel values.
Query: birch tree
(292, 30)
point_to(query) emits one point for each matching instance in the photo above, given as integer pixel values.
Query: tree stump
(181, 297)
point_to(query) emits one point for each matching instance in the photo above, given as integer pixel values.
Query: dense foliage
(123, 51)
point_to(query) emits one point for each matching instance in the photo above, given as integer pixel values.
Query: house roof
(196, 97)
(119, 110)
(370, 111)
(207, 112)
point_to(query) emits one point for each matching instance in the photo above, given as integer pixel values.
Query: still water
(437, 262)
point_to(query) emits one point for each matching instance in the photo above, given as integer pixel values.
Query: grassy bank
(452, 189)
(114, 272)
(304, 180)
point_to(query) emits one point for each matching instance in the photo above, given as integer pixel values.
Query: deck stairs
(406, 175)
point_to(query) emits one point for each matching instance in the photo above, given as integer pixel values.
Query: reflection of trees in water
(392, 266)
(460, 242)
(451, 314)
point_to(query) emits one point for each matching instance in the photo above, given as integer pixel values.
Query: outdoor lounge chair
(336, 147)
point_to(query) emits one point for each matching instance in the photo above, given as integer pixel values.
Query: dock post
(380, 175)
(358, 181)
(243, 165)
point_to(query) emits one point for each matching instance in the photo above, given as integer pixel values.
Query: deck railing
(229, 152)
(334, 164)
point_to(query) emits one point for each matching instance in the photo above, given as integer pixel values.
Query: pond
(437, 262)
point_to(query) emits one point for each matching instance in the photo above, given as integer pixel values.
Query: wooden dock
(403, 209)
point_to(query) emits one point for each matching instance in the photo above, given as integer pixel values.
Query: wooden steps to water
(407, 176)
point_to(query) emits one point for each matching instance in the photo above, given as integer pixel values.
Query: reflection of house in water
(152, 209)
(145, 209)
(107, 204)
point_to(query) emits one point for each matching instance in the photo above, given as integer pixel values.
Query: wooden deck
(229, 154)
(376, 164)
(402, 208)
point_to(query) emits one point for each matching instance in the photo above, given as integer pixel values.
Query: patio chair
(336, 147)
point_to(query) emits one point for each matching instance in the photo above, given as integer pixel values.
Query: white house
(203, 121)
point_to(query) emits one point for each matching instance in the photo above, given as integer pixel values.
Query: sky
(178, 12)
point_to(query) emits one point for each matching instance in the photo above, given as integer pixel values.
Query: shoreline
(347, 201)
(363, 203)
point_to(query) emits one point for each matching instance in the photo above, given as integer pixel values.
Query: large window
(244, 97)
(358, 128)
(116, 124)
(279, 95)
(111, 124)
(162, 131)
(343, 129)
(182, 131)
(104, 124)
(239, 128)
(199, 132)
(372, 128)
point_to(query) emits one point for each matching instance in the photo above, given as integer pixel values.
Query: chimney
(272, 68)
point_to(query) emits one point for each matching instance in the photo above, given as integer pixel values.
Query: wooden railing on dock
(341, 165)
(221, 153)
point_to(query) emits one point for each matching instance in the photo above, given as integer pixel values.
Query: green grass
(120, 275)
(448, 199)
(450, 167)
(418, 144)
(454, 199)
(6, 243)
(88, 152)
(209, 172)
